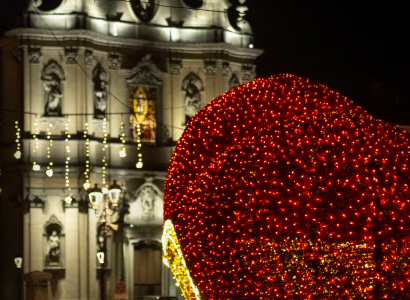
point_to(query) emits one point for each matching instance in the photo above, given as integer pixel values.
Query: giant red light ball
(284, 189)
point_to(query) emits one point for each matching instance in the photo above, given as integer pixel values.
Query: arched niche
(53, 244)
(100, 82)
(52, 77)
(192, 94)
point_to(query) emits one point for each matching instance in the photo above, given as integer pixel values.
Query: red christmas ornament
(284, 189)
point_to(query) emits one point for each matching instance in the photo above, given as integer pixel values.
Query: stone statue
(53, 249)
(53, 95)
(100, 92)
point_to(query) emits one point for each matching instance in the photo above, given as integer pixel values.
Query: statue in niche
(144, 9)
(100, 92)
(54, 95)
(53, 248)
(52, 77)
(192, 85)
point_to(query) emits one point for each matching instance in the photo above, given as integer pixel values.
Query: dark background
(357, 48)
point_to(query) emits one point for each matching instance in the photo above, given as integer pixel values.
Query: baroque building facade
(97, 91)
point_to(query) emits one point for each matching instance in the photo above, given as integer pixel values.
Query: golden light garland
(17, 154)
(123, 153)
(104, 160)
(49, 170)
(68, 199)
(87, 184)
(36, 167)
(174, 259)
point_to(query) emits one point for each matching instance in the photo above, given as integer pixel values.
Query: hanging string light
(17, 154)
(123, 153)
(139, 145)
(49, 170)
(36, 167)
(68, 199)
(87, 158)
(104, 160)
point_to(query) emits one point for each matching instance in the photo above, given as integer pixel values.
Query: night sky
(358, 48)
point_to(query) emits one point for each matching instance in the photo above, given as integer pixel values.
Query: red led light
(284, 189)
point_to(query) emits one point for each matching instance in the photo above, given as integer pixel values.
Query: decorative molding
(34, 54)
(53, 220)
(71, 55)
(175, 66)
(114, 61)
(247, 72)
(225, 69)
(53, 121)
(210, 68)
(88, 57)
(144, 73)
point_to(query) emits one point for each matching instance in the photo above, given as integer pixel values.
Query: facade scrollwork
(71, 55)
(175, 66)
(210, 67)
(34, 54)
(114, 61)
(88, 57)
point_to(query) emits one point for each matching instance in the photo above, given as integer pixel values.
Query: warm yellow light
(123, 153)
(86, 185)
(68, 199)
(17, 154)
(49, 172)
(174, 259)
(100, 257)
(36, 167)
(139, 165)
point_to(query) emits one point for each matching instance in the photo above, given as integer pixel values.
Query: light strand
(123, 153)
(17, 154)
(87, 184)
(68, 199)
(36, 167)
(104, 160)
(139, 145)
(49, 170)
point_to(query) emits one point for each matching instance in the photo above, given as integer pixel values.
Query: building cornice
(41, 36)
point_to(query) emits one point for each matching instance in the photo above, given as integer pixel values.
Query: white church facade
(97, 91)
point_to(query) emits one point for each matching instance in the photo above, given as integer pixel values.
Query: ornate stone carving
(236, 14)
(34, 54)
(247, 72)
(144, 9)
(144, 73)
(225, 69)
(88, 57)
(146, 204)
(71, 54)
(18, 55)
(175, 66)
(52, 77)
(210, 67)
(114, 61)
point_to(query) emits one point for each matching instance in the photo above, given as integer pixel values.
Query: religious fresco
(143, 121)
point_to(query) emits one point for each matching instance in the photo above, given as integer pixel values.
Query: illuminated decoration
(36, 167)
(100, 257)
(87, 184)
(19, 262)
(104, 160)
(123, 153)
(95, 196)
(114, 193)
(49, 170)
(174, 259)
(67, 160)
(68, 199)
(284, 189)
(139, 163)
(17, 154)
